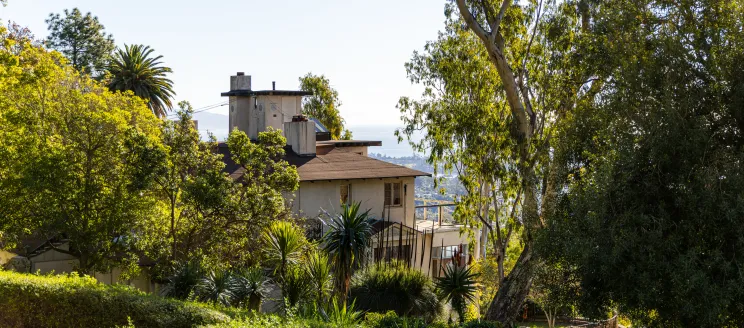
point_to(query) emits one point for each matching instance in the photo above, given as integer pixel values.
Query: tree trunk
(513, 291)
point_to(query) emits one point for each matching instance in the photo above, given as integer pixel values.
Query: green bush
(392, 320)
(481, 324)
(395, 287)
(28, 300)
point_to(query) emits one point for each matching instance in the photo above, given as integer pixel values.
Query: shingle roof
(337, 164)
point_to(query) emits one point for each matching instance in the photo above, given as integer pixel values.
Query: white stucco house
(334, 172)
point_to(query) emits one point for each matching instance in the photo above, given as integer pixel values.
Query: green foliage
(323, 105)
(346, 242)
(283, 245)
(80, 38)
(481, 324)
(208, 215)
(217, 287)
(69, 158)
(183, 282)
(135, 69)
(342, 315)
(555, 289)
(71, 301)
(296, 287)
(318, 268)
(457, 286)
(391, 320)
(650, 198)
(251, 288)
(394, 286)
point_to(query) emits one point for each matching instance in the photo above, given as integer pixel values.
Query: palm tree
(133, 68)
(284, 243)
(457, 286)
(346, 242)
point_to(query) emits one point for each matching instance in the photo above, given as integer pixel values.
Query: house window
(346, 194)
(393, 194)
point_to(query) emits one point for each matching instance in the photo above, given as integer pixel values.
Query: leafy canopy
(80, 38)
(323, 105)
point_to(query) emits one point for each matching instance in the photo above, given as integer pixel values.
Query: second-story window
(393, 193)
(346, 194)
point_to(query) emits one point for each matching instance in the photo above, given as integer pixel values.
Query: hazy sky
(360, 46)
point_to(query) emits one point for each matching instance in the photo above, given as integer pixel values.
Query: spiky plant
(346, 242)
(318, 269)
(217, 287)
(183, 281)
(251, 288)
(341, 315)
(283, 244)
(136, 69)
(457, 286)
(295, 286)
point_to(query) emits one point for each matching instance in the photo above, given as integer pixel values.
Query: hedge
(28, 300)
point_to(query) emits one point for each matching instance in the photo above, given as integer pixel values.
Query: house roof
(337, 164)
(244, 93)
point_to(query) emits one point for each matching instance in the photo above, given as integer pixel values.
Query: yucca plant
(217, 287)
(319, 271)
(295, 286)
(283, 245)
(136, 69)
(183, 281)
(457, 286)
(251, 288)
(346, 242)
(342, 315)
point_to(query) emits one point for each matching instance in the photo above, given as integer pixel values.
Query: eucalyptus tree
(495, 96)
(136, 69)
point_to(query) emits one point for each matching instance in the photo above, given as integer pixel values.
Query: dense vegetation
(598, 145)
(71, 301)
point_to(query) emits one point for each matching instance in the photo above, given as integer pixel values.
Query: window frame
(348, 194)
(389, 200)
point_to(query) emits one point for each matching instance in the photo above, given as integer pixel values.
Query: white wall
(312, 196)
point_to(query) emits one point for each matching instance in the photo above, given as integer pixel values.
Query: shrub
(395, 287)
(481, 324)
(392, 320)
(70, 301)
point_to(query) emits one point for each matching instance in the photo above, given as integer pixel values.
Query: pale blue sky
(360, 46)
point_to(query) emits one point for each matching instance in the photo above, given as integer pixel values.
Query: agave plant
(182, 283)
(251, 288)
(346, 242)
(218, 287)
(457, 286)
(135, 69)
(284, 242)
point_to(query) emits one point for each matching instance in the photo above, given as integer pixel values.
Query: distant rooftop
(266, 93)
(349, 143)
